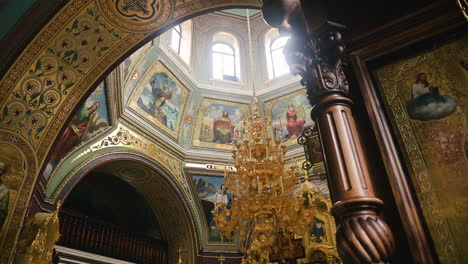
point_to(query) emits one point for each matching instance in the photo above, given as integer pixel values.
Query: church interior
(233, 131)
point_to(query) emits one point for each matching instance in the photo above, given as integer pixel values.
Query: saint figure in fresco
(294, 126)
(317, 231)
(161, 95)
(426, 103)
(223, 129)
(74, 132)
(4, 194)
(212, 202)
(219, 198)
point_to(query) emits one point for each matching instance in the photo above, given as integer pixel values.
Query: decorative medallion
(137, 15)
(17, 110)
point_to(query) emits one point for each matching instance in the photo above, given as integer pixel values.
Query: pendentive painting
(211, 191)
(289, 115)
(219, 124)
(91, 119)
(131, 69)
(129, 63)
(160, 98)
(426, 97)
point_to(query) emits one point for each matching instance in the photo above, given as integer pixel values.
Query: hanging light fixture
(269, 205)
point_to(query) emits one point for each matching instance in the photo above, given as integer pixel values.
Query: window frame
(234, 58)
(179, 33)
(270, 53)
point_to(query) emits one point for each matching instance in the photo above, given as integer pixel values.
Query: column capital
(317, 58)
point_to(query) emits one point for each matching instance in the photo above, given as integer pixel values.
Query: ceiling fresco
(185, 108)
(173, 113)
(160, 98)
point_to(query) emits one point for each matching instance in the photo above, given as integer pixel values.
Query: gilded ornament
(268, 206)
(38, 237)
(141, 16)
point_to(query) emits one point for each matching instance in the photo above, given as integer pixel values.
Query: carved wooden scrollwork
(317, 59)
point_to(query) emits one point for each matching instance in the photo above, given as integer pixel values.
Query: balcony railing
(90, 235)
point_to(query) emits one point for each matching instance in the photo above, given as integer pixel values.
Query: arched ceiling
(160, 197)
(105, 195)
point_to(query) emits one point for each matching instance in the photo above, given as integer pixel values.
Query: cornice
(438, 17)
(225, 14)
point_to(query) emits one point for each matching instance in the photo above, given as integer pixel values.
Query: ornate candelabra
(268, 206)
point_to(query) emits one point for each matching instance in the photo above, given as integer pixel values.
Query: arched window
(225, 57)
(176, 38)
(181, 38)
(276, 61)
(224, 63)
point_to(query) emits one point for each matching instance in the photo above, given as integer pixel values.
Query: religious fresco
(12, 171)
(160, 98)
(211, 191)
(427, 101)
(91, 119)
(289, 115)
(219, 124)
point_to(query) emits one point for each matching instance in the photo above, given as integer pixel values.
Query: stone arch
(64, 62)
(175, 216)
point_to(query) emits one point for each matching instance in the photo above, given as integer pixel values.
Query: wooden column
(315, 52)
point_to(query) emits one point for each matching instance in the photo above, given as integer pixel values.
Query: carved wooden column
(314, 51)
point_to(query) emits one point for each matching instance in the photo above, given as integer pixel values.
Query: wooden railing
(90, 235)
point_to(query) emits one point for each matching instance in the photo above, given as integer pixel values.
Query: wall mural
(91, 119)
(427, 99)
(160, 98)
(211, 191)
(289, 115)
(12, 171)
(218, 124)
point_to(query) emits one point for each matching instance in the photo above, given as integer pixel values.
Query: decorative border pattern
(113, 13)
(56, 75)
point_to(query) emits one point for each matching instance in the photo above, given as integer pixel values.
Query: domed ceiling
(178, 100)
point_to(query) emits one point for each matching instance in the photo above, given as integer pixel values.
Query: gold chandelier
(268, 204)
